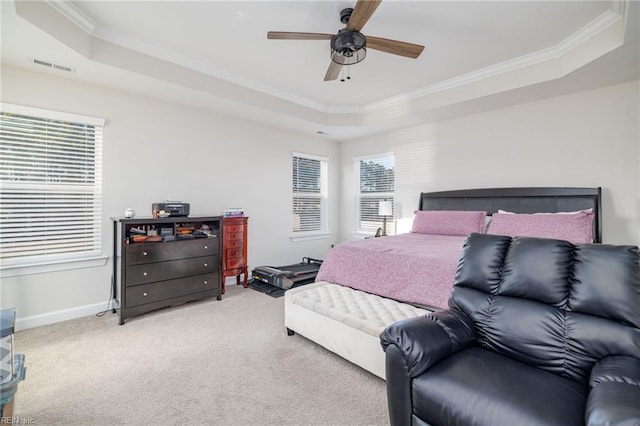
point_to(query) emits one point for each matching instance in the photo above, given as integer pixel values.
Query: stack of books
(233, 212)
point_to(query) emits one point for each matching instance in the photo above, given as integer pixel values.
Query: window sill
(309, 237)
(43, 268)
(364, 235)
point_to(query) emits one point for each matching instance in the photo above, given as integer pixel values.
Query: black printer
(172, 208)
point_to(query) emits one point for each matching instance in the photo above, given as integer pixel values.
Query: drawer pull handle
(144, 273)
(144, 294)
(205, 265)
(144, 253)
(205, 282)
(206, 247)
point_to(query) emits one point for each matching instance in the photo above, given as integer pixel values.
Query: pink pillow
(448, 222)
(574, 227)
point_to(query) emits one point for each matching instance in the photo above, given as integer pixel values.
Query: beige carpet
(226, 362)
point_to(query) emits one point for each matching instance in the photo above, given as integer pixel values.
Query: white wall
(586, 139)
(156, 150)
(153, 151)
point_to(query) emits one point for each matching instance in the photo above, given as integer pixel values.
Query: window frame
(323, 195)
(42, 261)
(359, 195)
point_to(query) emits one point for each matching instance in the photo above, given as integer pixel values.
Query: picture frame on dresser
(165, 262)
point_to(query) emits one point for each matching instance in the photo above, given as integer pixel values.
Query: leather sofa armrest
(412, 346)
(615, 392)
(425, 340)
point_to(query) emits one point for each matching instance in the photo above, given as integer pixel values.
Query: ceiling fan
(349, 45)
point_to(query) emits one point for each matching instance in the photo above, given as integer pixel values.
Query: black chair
(538, 332)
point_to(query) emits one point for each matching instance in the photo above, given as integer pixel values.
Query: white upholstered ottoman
(345, 321)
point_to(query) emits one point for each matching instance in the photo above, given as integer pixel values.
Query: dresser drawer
(236, 263)
(233, 236)
(228, 244)
(233, 253)
(163, 290)
(157, 252)
(161, 271)
(234, 228)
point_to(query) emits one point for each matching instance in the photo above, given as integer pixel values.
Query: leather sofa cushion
(548, 303)
(477, 386)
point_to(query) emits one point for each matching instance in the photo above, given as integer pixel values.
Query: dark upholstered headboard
(519, 200)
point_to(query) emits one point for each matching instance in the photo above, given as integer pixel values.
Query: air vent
(52, 65)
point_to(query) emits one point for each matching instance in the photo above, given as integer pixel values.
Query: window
(50, 186)
(375, 177)
(309, 187)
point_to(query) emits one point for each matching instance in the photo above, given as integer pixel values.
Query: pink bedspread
(412, 268)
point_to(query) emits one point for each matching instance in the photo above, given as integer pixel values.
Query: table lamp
(385, 208)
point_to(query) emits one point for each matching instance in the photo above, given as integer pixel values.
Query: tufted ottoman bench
(345, 321)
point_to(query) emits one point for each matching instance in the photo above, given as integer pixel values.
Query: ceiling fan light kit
(349, 45)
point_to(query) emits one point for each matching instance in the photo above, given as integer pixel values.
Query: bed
(419, 267)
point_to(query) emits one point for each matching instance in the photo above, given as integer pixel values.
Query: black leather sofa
(538, 332)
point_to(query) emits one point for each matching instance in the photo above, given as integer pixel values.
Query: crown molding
(86, 24)
(177, 59)
(72, 13)
(602, 31)
(579, 38)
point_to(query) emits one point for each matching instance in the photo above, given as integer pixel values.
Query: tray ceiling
(215, 55)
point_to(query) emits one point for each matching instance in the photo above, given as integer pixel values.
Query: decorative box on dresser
(183, 266)
(234, 249)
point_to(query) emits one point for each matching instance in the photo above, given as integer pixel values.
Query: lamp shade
(385, 208)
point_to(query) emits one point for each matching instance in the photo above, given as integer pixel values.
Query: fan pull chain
(342, 79)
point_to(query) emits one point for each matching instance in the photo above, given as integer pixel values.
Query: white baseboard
(62, 315)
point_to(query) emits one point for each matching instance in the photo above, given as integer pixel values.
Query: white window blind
(50, 186)
(375, 177)
(310, 191)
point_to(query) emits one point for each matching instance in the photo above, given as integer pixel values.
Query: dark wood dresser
(234, 249)
(183, 267)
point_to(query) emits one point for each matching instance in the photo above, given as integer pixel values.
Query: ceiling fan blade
(362, 11)
(395, 47)
(333, 72)
(335, 66)
(284, 35)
